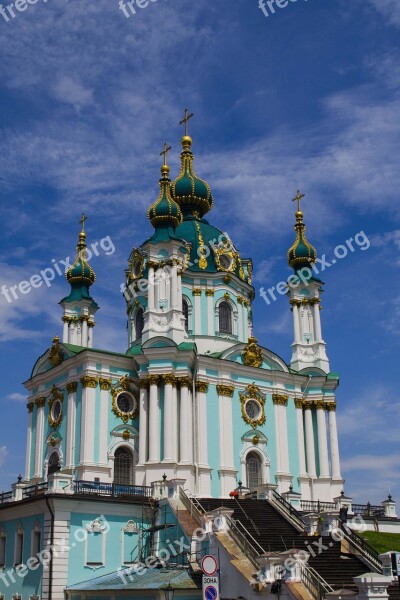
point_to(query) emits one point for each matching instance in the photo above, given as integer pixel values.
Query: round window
(253, 410)
(126, 403)
(225, 261)
(56, 410)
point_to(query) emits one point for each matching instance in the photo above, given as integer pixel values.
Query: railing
(38, 489)
(367, 552)
(368, 510)
(316, 505)
(5, 497)
(313, 582)
(111, 489)
(251, 549)
(289, 510)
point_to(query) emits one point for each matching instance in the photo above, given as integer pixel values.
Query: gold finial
(165, 152)
(298, 199)
(82, 222)
(185, 121)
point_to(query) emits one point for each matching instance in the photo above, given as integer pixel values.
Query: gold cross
(298, 199)
(82, 221)
(186, 120)
(165, 152)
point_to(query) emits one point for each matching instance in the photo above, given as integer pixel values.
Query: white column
(105, 387)
(185, 430)
(150, 293)
(296, 323)
(197, 311)
(317, 322)
(71, 425)
(210, 312)
(168, 418)
(90, 335)
(225, 394)
(154, 420)
(277, 418)
(335, 457)
(174, 288)
(284, 435)
(300, 437)
(175, 418)
(29, 442)
(201, 423)
(310, 449)
(65, 330)
(89, 385)
(143, 420)
(40, 403)
(322, 440)
(84, 332)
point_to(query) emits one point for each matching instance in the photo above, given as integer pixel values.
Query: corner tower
(308, 348)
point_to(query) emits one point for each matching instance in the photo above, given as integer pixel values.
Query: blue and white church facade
(195, 402)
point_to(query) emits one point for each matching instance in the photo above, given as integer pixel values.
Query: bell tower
(308, 348)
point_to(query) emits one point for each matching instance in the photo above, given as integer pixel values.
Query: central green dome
(192, 194)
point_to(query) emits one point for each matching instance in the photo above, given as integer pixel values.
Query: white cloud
(3, 455)
(16, 397)
(389, 9)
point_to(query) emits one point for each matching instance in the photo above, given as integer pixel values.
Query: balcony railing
(5, 497)
(368, 510)
(115, 490)
(35, 490)
(316, 506)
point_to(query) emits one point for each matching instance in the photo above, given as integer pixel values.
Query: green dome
(302, 253)
(189, 191)
(81, 273)
(165, 212)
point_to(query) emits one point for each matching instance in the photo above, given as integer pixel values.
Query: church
(130, 453)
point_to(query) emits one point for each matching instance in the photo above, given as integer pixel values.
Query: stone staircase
(274, 532)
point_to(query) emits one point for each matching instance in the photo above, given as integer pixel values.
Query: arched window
(185, 310)
(54, 463)
(253, 470)
(139, 323)
(225, 318)
(123, 464)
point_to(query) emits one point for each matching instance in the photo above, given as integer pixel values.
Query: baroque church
(128, 453)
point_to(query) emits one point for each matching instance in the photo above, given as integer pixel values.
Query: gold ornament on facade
(202, 386)
(56, 356)
(53, 441)
(241, 270)
(153, 379)
(210, 292)
(125, 383)
(40, 402)
(330, 406)
(88, 381)
(124, 416)
(227, 296)
(298, 403)
(319, 404)
(203, 264)
(227, 279)
(197, 291)
(246, 303)
(136, 265)
(252, 355)
(184, 382)
(280, 399)
(226, 390)
(253, 396)
(143, 384)
(105, 384)
(168, 378)
(225, 257)
(126, 435)
(249, 272)
(307, 405)
(240, 299)
(56, 396)
(30, 406)
(256, 440)
(72, 386)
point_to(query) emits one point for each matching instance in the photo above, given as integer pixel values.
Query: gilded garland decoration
(124, 416)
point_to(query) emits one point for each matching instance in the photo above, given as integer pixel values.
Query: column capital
(169, 379)
(153, 379)
(330, 406)
(30, 406)
(298, 403)
(40, 402)
(105, 383)
(197, 291)
(72, 386)
(143, 384)
(319, 404)
(280, 399)
(88, 381)
(184, 382)
(201, 386)
(210, 292)
(307, 405)
(226, 390)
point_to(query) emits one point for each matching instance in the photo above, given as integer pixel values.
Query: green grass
(383, 542)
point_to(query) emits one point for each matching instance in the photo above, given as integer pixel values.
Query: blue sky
(307, 98)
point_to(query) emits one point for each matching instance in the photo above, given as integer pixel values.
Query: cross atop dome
(186, 120)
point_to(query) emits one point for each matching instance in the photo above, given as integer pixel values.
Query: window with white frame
(19, 546)
(225, 318)
(36, 540)
(95, 544)
(130, 544)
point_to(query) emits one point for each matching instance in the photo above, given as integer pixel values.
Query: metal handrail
(290, 511)
(368, 510)
(248, 517)
(368, 552)
(317, 505)
(190, 505)
(313, 582)
(246, 532)
(35, 489)
(98, 488)
(5, 497)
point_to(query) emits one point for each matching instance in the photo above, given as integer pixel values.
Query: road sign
(209, 565)
(211, 587)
